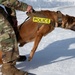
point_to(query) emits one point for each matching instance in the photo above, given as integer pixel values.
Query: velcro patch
(41, 20)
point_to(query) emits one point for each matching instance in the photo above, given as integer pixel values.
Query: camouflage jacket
(14, 5)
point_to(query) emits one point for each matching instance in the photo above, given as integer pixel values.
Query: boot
(9, 69)
(21, 58)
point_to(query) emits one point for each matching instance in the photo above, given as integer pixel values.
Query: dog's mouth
(73, 28)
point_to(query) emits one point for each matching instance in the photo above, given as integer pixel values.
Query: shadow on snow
(49, 54)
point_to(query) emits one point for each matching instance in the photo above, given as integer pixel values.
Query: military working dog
(34, 31)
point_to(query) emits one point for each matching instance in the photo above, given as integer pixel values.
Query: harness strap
(59, 18)
(24, 22)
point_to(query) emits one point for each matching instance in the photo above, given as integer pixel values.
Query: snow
(55, 54)
(49, 3)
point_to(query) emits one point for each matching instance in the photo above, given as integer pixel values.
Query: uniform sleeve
(16, 4)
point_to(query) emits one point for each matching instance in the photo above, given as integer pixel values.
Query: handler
(8, 41)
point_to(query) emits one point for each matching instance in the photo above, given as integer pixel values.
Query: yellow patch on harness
(41, 20)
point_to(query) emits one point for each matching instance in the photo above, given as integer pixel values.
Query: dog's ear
(58, 12)
(67, 16)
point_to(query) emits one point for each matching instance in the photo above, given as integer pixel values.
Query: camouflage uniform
(8, 42)
(14, 4)
(7, 39)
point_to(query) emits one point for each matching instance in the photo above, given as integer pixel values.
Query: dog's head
(71, 22)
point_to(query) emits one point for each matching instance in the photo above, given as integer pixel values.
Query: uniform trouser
(8, 42)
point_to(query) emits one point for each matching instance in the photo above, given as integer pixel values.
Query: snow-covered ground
(56, 52)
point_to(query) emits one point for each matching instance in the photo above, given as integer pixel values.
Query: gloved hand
(30, 9)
